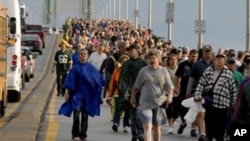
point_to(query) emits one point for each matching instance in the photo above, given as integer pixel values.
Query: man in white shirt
(96, 58)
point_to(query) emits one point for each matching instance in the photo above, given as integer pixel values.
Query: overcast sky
(225, 21)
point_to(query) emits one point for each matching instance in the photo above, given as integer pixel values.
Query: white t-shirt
(97, 59)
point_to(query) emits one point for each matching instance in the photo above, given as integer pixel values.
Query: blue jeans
(136, 124)
(120, 106)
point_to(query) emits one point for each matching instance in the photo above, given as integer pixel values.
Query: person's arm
(176, 84)
(233, 91)
(191, 80)
(190, 86)
(178, 74)
(54, 63)
(102, 67)
(66, 96)
(133, 96)
(170, 96)
(199, 89)
(169, 88)
(53, 67)
(70, 62)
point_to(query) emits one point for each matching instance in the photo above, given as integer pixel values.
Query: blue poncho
(86, 82)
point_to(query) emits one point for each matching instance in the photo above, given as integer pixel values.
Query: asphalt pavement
(58, 128)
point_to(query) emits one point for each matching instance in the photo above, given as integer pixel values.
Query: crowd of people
(145, 80)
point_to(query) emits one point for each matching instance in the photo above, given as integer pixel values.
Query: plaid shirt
(224, 91)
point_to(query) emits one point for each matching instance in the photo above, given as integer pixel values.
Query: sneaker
(171, 130)
(84, 137)
(125, 129)
(181, 128)
(202, 138)
(115, 128)
(193, 133)
(73, 137)
(227, 138)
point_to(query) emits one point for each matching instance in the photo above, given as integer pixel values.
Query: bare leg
(157, 133)
(147, 131)
(200, 122)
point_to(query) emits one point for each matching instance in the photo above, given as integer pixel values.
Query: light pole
(106, 10)
(248, 27)
(55, 8)
(114, 4)
(136, 13)
(149, 13)
(48, 12)
(200, 35)
(126, 10)
(85, 8)
(119, 9)
(110, 9)
(170, 26)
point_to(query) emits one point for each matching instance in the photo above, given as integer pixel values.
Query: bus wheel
(2, 109)
(14, 96)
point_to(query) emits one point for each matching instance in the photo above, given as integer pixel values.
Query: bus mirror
(12, 25)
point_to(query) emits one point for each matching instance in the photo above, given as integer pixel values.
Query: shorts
(173, 110)
(155, 116)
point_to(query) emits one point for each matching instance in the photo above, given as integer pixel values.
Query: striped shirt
(224, 91)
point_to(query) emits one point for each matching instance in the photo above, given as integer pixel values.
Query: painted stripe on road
(53, 125)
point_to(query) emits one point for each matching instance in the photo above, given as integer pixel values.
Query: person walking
(245, 67)
(153, 81)
(172, 111)
(110, 62)
(195, 75)
(180, 82)
(217, 89)
(129, 72)
(62, 63)
(96, 58)
(238, 77)
(83, 89)
(118, 102)
(241, 119)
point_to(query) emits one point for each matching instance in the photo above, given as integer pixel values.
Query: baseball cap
(207, 47)
(246, 59)
(220, 55)
(231, 52)
(185, 49)
(230, 61)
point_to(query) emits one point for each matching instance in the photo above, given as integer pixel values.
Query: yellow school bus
(3, 61)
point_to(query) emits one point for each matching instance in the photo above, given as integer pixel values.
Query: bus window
(12, 25)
